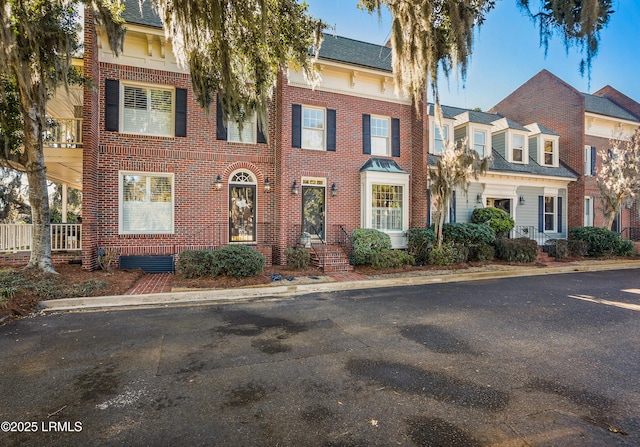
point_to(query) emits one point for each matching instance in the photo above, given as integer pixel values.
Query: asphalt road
(539, 361)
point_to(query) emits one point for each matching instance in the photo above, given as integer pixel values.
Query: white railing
(19, 237)
(15, 237)
(64, 133)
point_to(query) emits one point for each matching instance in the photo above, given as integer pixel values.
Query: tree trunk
(38, 193)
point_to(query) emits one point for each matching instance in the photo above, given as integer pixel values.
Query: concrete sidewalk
(290, 290)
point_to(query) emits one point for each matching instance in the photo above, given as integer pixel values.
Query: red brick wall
(547, 100)
(340, 167)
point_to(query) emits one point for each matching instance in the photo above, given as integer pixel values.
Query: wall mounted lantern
(334, 190)
(294, 188)
(218, 184)
(479, 198)
(521, 200)
(267, 185)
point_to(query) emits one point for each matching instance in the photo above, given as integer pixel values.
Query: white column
(64, 203)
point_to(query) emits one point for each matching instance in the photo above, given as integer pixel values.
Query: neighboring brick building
(585, 123)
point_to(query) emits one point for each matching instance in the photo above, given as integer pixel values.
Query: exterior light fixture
(218, 184)
(334, 190)
(294, 188)
(267, 185)
(522, 201)
(479, 198)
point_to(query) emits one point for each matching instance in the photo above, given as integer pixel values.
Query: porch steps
(335, 260)
(543, 257)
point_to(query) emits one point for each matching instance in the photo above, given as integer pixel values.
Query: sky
(507, 53)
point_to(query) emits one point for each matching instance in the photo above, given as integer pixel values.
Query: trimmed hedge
(232, 260)
(516, 250)
(496, 218)
(238, 261)
(449, 254)
(468, 233)
(419, 244)
(391, 258)
(195, 263)
(298, 257)
(367, 242)
(601, 242)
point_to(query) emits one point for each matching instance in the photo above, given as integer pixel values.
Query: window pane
(386, 207)
(548, 152)
(441, 134)
(312, 128)
(147, 205)
(147, 111)
(479, 142)
(248, 131)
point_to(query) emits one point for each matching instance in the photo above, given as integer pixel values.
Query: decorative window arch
(242, 206)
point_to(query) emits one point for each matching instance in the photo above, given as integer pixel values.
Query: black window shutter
(541, 214)
(395, 137)
(221, 128)
(260, 138)
(112, 107)
(428, 208)
(366, 134)
(331, 130)
(559, 214)
(452, 210)
(296, 125)
(181, 112)
(593, 160)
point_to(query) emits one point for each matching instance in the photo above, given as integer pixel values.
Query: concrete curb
(253, 293)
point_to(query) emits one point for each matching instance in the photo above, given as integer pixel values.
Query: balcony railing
(64, 133)
(19, 237)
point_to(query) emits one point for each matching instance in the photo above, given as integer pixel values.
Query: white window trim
(525, 147)
(324, 129)
(388, 137)
(249, 121)
(149, 86)
(368, 179)
(555, 144)
(487, 139)
(432, 141)
(588, 207)
(121, 175)
(554, 214)
(587, 161)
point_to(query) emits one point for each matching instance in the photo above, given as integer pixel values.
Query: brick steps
(543, 257)
(332, 257)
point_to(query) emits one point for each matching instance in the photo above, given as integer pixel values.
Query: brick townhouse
(585, 123)
(159, 175)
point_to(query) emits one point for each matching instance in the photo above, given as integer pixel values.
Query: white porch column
(64, 203)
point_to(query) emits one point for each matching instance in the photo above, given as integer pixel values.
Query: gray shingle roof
(475, 116)
(146, 17)
(536, 128)
(499, 164)
(355, 52)
(604, 106)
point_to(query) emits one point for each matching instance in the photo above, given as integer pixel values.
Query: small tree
(455, 169)
(619, 176)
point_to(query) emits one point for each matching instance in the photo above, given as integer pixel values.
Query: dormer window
(441, 136)
(518, 148)
(480, 142)
(549, 153)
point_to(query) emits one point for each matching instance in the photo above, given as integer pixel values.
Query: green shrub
(468, 233)
(391, 258)
(195, 263)
(578, 248)
(482, 253)
(236, 260)
(367, 242)
(496, 218)
(626, 248)
(600, 241)
(298, 257)
(562, 248)
(448, 254)
(420, 241)
(516, 250)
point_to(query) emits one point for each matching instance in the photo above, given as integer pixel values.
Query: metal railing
(64, 133)
(217, 234)
(530, 232)
(19, 237)
(631, 234)
(342, 238)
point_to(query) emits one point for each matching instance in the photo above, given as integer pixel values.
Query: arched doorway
(242, 207)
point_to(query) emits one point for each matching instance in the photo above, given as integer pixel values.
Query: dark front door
(313, 211)
(503, 204)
